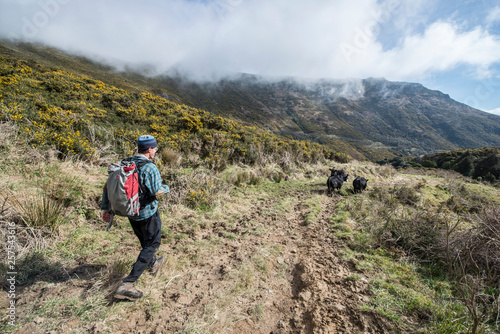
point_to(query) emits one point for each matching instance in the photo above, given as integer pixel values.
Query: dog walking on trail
(146, 221)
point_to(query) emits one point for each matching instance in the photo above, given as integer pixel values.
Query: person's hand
(106, 216)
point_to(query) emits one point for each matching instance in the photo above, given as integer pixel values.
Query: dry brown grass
(170, 157)
(477, 249)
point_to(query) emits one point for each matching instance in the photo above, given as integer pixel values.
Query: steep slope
(429, 120)
(372, 115)
(371, 118)
(45, 59)
(79, 115)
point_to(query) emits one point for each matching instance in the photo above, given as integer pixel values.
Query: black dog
(359, 184)
(336, 180)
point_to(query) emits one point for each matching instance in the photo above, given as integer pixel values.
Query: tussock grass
(170, 157)
(197, 189)
(40, 210)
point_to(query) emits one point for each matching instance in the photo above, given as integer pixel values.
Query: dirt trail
(314, 294)
(325, 299)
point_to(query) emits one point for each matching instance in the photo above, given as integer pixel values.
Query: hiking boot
(155, 269)
(128, 291)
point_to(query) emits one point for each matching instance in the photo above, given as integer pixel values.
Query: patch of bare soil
(314, 294)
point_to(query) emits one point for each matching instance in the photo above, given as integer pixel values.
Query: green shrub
(465, 166)
(429, 163)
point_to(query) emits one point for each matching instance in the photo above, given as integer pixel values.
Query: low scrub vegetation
(85, 118)
(482, 164)
(447, 231)
(424, 241)
(427, 244)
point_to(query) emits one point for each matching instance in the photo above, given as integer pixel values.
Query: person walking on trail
(147, 225)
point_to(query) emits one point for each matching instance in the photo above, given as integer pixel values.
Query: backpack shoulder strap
(129, 159)
(138, 165)
(142, 163)
(146, 199)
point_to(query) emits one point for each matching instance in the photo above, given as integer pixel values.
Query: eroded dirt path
(326, 298)
(265, 271)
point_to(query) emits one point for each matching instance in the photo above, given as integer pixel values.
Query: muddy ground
(305, 286)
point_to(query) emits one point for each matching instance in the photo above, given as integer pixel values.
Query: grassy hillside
(58, 60)
(252, 249)
(81, 116)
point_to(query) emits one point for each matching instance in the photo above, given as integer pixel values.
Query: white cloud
(317, 38)
(495, 111)
(442, 47)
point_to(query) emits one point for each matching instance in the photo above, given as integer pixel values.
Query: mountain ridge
(370, 118)
(373, 115)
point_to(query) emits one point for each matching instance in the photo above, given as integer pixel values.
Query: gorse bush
(83, 117)
(482, 163)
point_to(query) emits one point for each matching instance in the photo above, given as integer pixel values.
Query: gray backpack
(123, 186)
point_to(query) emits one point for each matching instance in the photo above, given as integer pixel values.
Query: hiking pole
(110, 222)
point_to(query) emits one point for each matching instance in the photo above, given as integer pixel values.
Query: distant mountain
(368, 119)
(371, 118)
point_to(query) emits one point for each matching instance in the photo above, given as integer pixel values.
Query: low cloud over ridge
(209, 39)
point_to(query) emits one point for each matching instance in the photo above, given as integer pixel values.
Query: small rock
(305, 296)
(339, 307)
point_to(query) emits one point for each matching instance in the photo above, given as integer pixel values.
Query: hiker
(147, 225)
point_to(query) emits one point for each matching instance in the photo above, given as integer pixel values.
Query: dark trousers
(149, 233)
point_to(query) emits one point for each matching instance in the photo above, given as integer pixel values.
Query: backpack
(123, 186)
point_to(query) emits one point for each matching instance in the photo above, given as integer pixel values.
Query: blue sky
(451, 46)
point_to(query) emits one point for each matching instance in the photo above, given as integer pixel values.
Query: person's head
(147, 145)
